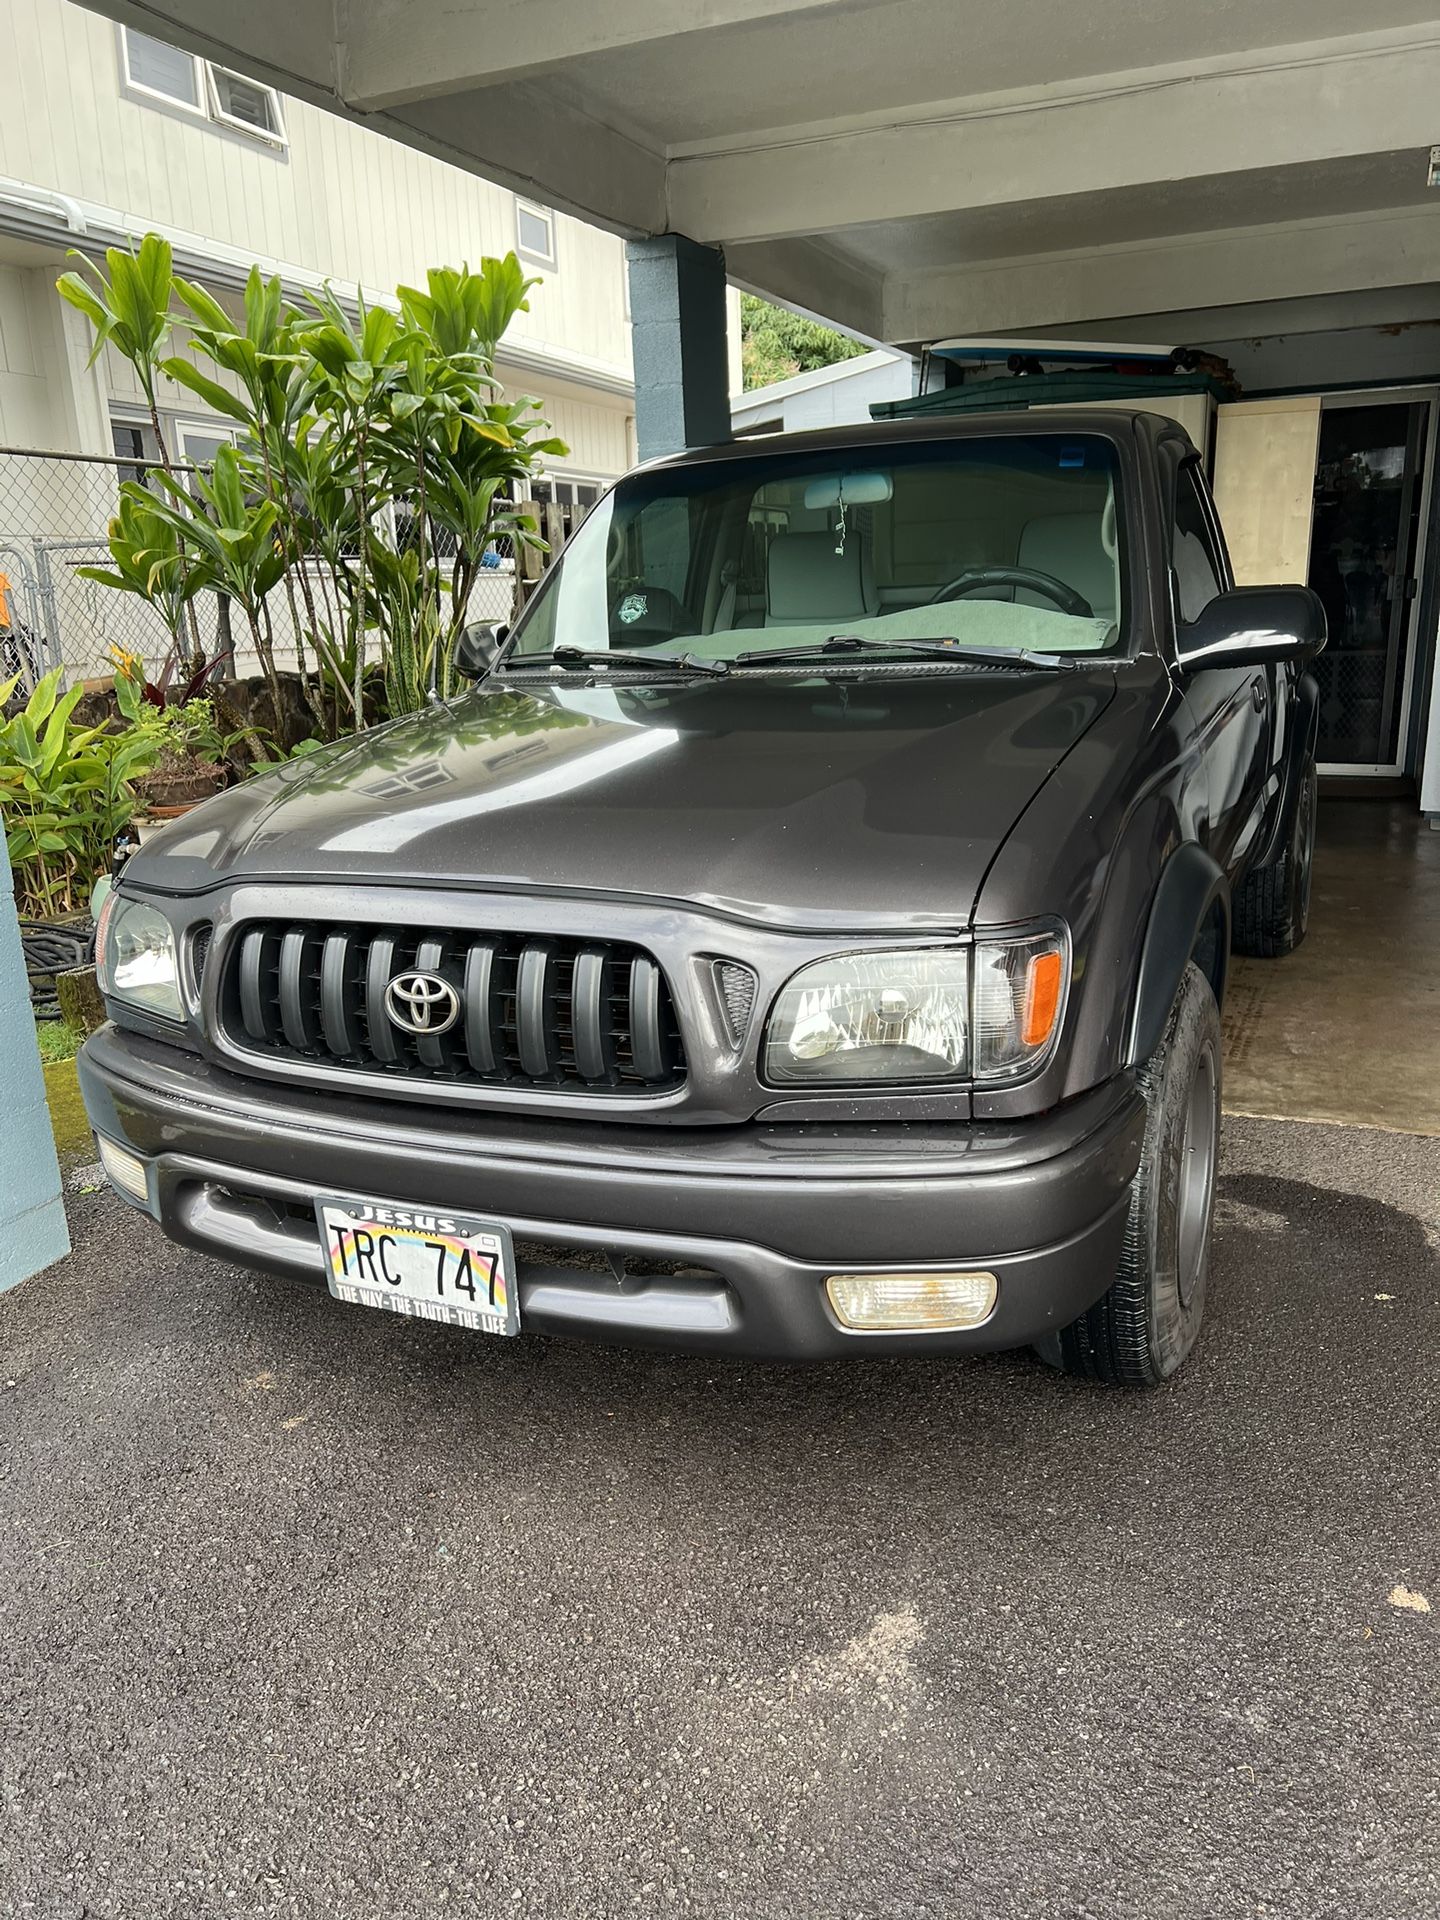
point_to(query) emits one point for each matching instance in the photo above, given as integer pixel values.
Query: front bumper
(754, 1218)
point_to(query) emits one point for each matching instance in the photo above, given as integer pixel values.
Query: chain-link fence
(54, 511)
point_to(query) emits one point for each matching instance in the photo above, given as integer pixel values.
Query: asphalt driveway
(309, 1611)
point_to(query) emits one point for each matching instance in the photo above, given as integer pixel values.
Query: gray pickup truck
(807, 938)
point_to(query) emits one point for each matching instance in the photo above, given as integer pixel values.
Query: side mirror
(1251, 627)
(476, 648)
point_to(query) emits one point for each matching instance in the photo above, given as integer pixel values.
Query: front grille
(592, 1016)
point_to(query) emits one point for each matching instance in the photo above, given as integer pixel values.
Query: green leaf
(72, 288)
(184, 374)
(42, 701)
(204, 306)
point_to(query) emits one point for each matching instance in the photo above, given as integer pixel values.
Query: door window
(1364, 564)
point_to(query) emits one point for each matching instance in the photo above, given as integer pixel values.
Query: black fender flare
(1191, 885)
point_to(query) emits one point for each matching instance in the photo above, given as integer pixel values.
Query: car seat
(809, 583)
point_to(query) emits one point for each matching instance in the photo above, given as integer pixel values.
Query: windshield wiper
(929, 647)
(604, 657)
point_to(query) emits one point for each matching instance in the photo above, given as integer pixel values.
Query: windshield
(1008, 543)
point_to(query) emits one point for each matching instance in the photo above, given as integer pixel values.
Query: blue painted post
(32, 1212)
(677, 321)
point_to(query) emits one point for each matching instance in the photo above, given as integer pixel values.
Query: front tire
(1142, 1329)
(1272, 905)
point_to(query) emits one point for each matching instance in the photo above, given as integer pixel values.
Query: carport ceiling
(915, 168)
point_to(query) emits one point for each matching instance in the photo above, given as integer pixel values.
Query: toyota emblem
(422, 1003)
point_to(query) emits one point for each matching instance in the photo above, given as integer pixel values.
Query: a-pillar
(677, 318)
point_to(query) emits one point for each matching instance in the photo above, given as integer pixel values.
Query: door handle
(1257, 695)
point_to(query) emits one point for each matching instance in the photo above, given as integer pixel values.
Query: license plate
(449, 1267)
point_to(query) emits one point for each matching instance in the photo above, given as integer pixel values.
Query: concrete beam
(1210, 271)
(290, 47)
(499, 134)
(814, 279)
(1282, 107)
(399, 50)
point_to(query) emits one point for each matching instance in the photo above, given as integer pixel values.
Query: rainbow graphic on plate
(419, 1263)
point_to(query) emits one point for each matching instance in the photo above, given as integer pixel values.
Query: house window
(152, 67)
(569, 493)
(159, 72)
(199, 445)
(242, 103)
(135, 448)
(535, 232)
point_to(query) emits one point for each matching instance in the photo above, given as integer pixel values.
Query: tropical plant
(131, 311)
(65, 792)
(234, 535)
(164, 690)
(378, 462)
(156, 561)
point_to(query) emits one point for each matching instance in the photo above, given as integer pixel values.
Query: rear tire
(1142, 1329)
(1272, 905)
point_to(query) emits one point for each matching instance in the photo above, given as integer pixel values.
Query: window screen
(162, 69)
(245, 101)
(535, 232)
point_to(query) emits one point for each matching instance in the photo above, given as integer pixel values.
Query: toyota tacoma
(806, 937)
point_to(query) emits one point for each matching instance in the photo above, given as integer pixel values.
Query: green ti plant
(65, 792)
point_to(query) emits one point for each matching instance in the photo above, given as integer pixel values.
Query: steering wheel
(974, 579)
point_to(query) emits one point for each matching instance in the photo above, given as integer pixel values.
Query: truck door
(1232, 705)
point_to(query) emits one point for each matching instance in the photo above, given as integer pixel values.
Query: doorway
(1371, 502)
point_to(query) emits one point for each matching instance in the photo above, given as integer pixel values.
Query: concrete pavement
(306, 1611)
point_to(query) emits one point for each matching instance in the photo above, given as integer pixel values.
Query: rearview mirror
(1251, 627)
(476, 648)
(849, 490)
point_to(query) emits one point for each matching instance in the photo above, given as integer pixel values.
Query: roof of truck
(1116, 423)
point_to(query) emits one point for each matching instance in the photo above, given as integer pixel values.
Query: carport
(306, 1611)
(1251, 183)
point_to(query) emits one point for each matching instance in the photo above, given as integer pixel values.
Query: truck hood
(875, 799)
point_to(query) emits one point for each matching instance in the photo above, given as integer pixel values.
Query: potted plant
(186, 755)
(66, 790)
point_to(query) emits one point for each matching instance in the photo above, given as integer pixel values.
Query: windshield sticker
(632, 607)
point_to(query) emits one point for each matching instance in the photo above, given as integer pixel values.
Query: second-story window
(535, 232)
(156, 71)
(245, 104)
(152, 67)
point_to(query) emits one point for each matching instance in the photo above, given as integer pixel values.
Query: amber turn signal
(1044, 978)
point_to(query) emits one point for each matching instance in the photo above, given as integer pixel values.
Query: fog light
(124, 1171)
(912, 1302)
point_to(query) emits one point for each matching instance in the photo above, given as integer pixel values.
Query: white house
(837, 396)
(106, 132)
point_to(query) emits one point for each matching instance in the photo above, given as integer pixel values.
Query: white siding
(341, 202)
(598, 437)
(26, 395)
(836, 396)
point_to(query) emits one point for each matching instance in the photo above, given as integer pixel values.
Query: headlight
(873, 1016)
(135, 957)
(987, 1012)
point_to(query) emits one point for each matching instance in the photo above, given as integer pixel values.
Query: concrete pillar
(32, 1213)
(677, 316)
